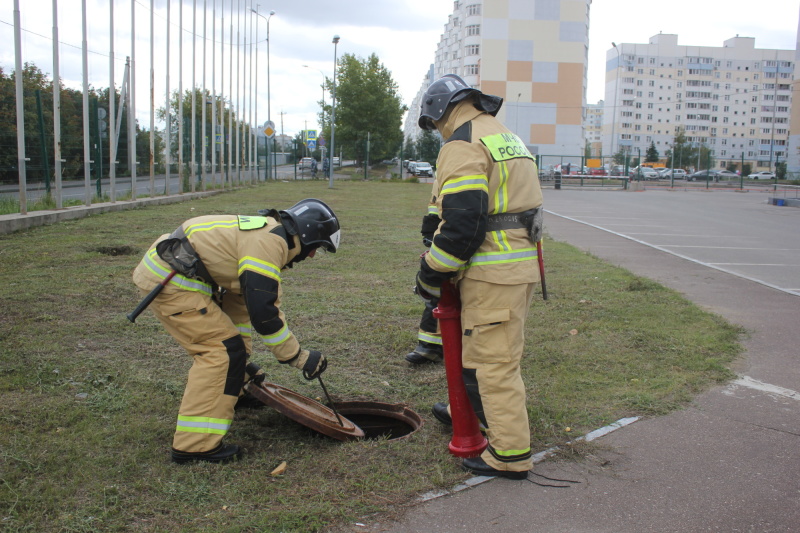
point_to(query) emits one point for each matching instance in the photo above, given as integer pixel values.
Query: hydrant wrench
(333, 406)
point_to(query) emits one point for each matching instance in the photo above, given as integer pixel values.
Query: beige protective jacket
(483, 169)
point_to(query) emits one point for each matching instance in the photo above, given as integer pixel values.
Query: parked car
(727, 175)
(599, 171)
(660, 171)
(411, 165)
(763, 175)
(677, 173)
(305, 163)
(709, 174)
(423, 169)
(645, 173)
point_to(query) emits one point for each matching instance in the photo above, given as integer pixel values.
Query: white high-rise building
(531, 53)
(734, 99)
(793, 159)
(593, 126)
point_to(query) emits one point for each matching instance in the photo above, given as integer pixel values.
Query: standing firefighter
(488, 197)
(227, 282)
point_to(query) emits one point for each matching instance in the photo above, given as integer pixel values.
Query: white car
(645, 173)
(763, 175)
(678, 173)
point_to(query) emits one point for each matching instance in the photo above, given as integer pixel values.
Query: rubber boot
(425, 353)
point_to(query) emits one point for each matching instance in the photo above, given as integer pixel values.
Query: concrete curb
(18, 222)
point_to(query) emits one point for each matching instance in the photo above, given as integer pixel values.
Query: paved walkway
(730, 462)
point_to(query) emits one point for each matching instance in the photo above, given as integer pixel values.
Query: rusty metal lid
(305, 411)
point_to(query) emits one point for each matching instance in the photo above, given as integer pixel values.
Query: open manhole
(379, 420)
(356, 420)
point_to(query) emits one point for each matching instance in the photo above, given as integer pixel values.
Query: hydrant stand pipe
(467, 439)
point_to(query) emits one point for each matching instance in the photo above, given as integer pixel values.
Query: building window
(474, 9)
(473, 50)
(471, 70)
(474, 29)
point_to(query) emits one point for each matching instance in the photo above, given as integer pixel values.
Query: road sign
(312, 145)
(269, 129)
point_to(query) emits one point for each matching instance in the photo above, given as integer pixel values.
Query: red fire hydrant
(467, 441)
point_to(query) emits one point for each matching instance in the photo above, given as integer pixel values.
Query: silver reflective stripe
(178, 280)
(445, 259)
(490, 258)
(430, 339)
(277, 338)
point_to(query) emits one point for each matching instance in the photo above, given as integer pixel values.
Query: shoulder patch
(505, 146)
(463, 133)
(247, 223)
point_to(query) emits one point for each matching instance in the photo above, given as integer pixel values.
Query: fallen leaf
(573, 332)
(279, 470)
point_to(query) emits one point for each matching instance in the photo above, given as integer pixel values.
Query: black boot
(478, 466)
(220, 454)
(441, 414)
(424, 353)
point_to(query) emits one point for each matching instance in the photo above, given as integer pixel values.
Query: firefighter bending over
(488, 197)
(228, 283)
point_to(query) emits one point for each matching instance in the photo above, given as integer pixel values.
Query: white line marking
(747, 381)
(663, 249)
(757, 264)
(537, 458)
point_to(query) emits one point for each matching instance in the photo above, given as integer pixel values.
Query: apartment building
(793, 159)
(734, 99)
(533, 54)
(593, 128)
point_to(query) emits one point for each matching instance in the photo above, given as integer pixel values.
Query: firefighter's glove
(429, 281)
(312, 363)
(254, 374)
(535, 223)
(430, 223)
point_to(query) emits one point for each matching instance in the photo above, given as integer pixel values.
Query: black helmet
(451, 89)
(314, 222)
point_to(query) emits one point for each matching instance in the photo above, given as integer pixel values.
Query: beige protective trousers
(493, 322)
(210, 335)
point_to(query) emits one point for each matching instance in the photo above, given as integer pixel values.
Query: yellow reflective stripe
(496, 258)
(500, 238)
(430, 289)
(511, 453)
(430, 338)
(466, 183)
(277, 338)
(203, 424)
(245, 330)
(505, 146)
(501, 194)
(260, 267)
(206, 226)
(444, 259)
(178, 280)
(432, 210)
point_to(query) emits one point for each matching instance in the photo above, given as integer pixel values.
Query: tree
(410, 150)
(652, 153)
(427, 145)
(368, 106)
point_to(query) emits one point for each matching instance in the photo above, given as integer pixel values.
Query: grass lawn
(89, 400)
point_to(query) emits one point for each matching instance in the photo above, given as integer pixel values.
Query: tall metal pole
(213, 135)
(112, 96)
(56, 108)
(269, 106)
(333, 111)
(203, 133)
(132, 104)
(152, 104)
(230, 107)
(168, 119)
(258, 123)
(181, 170)
(194, 95)
(222, 96)
(238, 93)
(23, 180)
(87, 149)
(250, 100)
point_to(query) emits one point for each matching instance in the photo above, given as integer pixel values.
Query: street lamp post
(269, 113)
(333, 111)
(616, 99)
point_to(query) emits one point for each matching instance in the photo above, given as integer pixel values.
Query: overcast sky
(403, 34)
